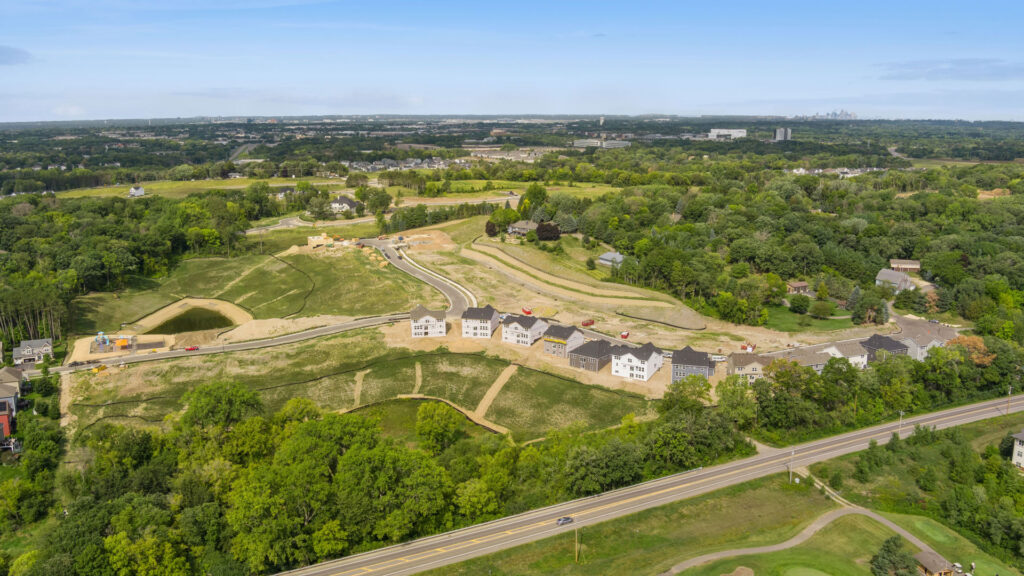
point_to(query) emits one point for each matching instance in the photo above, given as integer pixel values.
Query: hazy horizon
(121, 59)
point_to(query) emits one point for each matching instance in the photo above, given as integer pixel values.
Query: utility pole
(577, 545)
(791, 455)
(1009, 394)
(899, 430)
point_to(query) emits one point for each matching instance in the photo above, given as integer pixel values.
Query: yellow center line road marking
(747, 471)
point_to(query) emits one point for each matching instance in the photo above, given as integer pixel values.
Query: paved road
(238, 346)
(436, 551)
(459, 297)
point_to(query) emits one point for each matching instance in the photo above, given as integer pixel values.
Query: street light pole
(1009, 394)
(791, 455)
(899, 430)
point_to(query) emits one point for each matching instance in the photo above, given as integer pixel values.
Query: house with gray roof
(592, 356)
(479, 322)
(522, 228)
(343, 204)
(898, 281)
(808, 359)
(522, 330)
(920, 337)
(10, 387)
(33, 351)
(930, 563)
(852, 350)
(747, 365)
(688, 361)
(610, 259)
(637, 363)
(427, 323)
(882, 344)
(560, 340)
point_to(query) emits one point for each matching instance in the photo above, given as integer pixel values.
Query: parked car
(588, 322)
(191, 348)
(624, 334)
(564, 520)
(933, 321)
(527, 311)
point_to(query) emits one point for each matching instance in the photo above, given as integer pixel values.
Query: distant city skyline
(81, 59)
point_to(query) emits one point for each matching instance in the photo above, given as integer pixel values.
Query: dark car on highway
(564, 520)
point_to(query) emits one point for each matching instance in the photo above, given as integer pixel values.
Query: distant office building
(586, 143)
(615, 144)
(726, 133)
(783, 134)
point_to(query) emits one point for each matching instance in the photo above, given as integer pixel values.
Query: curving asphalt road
(459, 298)
(444, 549)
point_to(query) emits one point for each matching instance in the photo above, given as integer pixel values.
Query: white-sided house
(343, 204)
(856, 354)
(522, 330)
(637, 363)
(427, 323)
(610, 259)
(32, 351)
(1018, 451)
(747, 365)
(920, 337)
(898, 281)
(136, 192)
(479, 322)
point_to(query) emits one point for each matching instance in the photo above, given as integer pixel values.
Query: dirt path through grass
(419, 379)
(239, 278)
(494, 390)
(359, 388)
(471, 415)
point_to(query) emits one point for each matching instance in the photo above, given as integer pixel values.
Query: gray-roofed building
(136, 192)
(10, 387)
(592, 355)
(930, 563)
(920, 337)
(878, 343)
(522, 330)
(1018, 450)
(852, 350)
(610, 259)
(32, 351)
(688, 361)
(808, 359)
(898, 281)
(797, 287)
(560, 340)
(747, 365)
(427, 323)
(343, 204)
(637, 363)
(522, 228)
(479, 322)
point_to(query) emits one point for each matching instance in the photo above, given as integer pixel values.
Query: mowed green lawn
(344, 283)
(178, 189)
(756, 513)
(781, 319)
(347, 371)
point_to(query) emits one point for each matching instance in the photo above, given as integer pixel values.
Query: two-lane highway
(444, 549)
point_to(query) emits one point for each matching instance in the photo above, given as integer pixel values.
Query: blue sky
(72, 59)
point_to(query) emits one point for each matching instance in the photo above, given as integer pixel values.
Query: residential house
(853, 351)
(748, 366)
(637, 363)
(920, 337)
(878, 343)
(522, 330)
(905, 265)
(479, 322)
(808, 359)
(593, 355)
(688, 361)
(343, 204)
(798, 287)
(427, 323)
(898, 281)
(10, 386)
(136, 192)
(522, 228)
(560, 340)
(1018, 450)
(32, 351)
(610, 259)
(929, 563)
